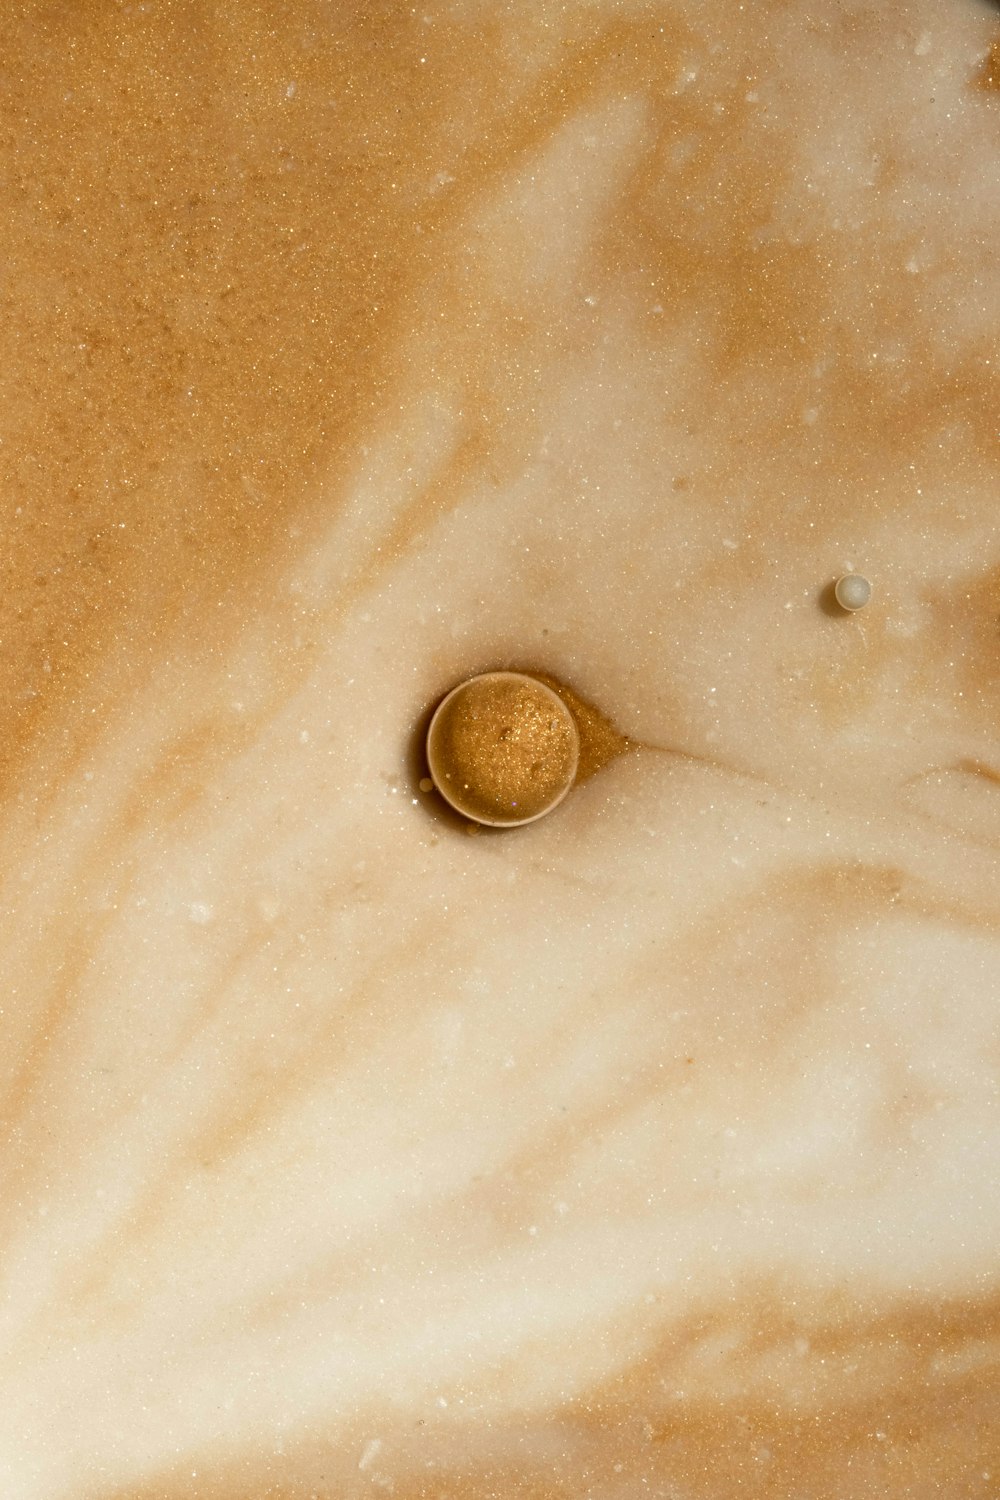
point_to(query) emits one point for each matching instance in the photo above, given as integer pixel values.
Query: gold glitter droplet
(503, 749)
(426, 784)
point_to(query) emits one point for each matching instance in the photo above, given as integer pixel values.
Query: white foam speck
(370, 1453)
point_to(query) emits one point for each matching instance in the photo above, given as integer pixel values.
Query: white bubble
(852, 591)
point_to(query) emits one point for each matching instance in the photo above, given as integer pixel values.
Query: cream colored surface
(651, 1149)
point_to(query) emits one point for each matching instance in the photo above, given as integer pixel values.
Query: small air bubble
(852, 592)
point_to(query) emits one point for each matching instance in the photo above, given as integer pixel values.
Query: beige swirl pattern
(649, 1150)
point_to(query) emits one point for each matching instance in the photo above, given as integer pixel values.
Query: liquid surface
(349, 350)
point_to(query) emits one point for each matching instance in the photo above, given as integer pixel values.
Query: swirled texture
(348, 350)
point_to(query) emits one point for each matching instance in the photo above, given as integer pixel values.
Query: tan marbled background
(651, 1150)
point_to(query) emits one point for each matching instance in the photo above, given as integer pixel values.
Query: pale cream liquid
(651, 1150)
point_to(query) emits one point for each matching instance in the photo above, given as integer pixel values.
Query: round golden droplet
(503, 749)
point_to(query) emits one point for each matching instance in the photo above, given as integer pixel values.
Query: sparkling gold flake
(503, 748)
(989, 77)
